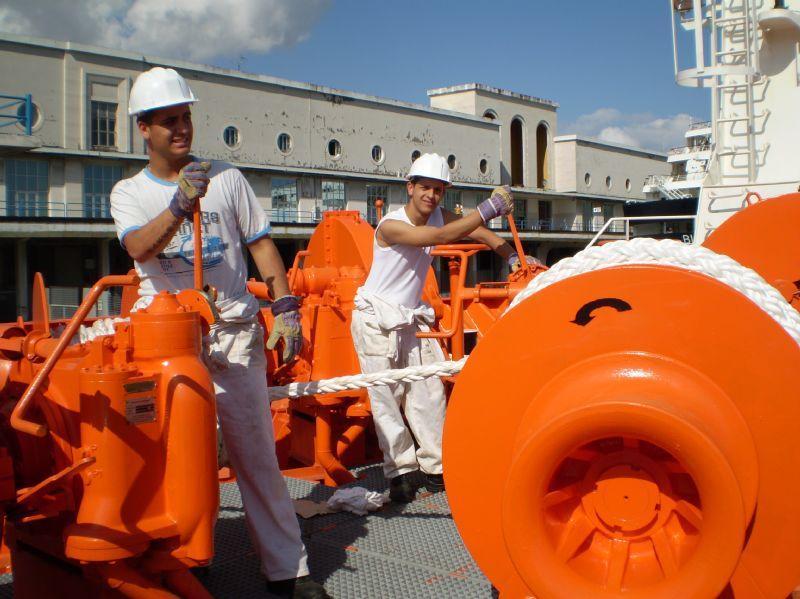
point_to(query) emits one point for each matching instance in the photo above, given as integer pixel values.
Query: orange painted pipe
(324, 449)
(198, 248)
(18, 421)
(351, 434)
(131, 583)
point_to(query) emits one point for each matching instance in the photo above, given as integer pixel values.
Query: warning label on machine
(140, 410)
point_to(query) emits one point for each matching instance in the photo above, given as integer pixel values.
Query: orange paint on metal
(633, 448)
(320, 435)
(763, 236)
(94, 481)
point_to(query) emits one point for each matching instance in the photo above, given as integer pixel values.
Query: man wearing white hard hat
(153, 216)
(389, 312)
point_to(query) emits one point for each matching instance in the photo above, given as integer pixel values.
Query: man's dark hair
(145, 117)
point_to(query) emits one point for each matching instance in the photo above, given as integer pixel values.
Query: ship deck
(401, 550)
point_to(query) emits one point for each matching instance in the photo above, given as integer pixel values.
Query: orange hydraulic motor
(647, 444)
(115, 457)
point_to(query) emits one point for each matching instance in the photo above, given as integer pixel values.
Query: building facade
(66, 138)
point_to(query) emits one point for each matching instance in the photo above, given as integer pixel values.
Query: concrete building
(65, 139)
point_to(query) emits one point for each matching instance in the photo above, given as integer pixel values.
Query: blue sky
(607, 64)
(584, 54)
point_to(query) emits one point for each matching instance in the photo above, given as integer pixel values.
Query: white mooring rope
(667, 252)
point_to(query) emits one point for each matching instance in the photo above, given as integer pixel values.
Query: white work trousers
(244, 417)
(423, 402)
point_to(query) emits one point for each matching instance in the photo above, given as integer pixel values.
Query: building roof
(147, 61)
(591, 141)
(441, 91)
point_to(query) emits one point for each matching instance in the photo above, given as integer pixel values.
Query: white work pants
(423, 402)
(244, 417)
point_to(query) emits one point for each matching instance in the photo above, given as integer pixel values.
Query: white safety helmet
(159, 88)
(430, 166)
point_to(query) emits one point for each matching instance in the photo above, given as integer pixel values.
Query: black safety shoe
(434, 482)
(402, 489)
(303, 587)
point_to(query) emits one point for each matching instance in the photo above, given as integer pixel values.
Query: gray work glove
(192, 185)
(287, 326)
(500, 203)
(514, 263)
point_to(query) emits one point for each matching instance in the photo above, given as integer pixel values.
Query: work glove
(500, 203)
(286, 311)
(514, 263)
(192, 185)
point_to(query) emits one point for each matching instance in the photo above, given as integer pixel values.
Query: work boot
(402, 489)
(303, 587)
(434, 482)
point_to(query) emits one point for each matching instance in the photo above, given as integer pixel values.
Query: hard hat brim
(411, 178)
(161, 105)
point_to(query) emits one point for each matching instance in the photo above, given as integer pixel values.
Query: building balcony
(699, 129)
(684, 153)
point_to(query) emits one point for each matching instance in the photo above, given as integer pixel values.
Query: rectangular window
(284, 200)
(104, 125)
(452, 199)
(377, 192)
(333, 195)
(545, 215)
(98, 179)
(520, 213)
(27, 187)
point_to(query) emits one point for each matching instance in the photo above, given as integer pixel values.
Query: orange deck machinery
(108, 474)
(319, 436)
(648, 441)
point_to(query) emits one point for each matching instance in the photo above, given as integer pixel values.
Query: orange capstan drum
(643, 434)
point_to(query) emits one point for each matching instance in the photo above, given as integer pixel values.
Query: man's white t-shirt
(399, 271)
(230, 214)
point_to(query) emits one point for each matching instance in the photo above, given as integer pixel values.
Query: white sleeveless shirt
(398, 272)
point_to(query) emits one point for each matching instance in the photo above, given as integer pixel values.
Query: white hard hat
(430, 166)
(159, 88)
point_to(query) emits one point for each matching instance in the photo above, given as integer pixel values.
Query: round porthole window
(377, 154)
(414, 155)
(628, 184)
(608, 182)
(284, 143)
(452, 162)
(483, 166)
(587, 178)
(230, 136)
(36, 116)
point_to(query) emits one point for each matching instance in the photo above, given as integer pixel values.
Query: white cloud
(643, 130)
(188, 29)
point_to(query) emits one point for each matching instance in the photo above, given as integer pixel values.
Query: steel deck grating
(403, 551)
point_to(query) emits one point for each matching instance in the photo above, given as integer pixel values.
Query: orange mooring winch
(646, 451)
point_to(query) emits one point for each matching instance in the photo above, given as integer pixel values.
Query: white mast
(746, 52)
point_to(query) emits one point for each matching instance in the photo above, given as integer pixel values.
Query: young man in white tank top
(389, 313)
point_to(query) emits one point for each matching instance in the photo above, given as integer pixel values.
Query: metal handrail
(699, 125)
(561, 225)
(689, 149)
(627, 223)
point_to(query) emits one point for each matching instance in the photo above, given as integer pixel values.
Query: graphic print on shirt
(178, 257)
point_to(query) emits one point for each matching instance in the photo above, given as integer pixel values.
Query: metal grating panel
(402, 551)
